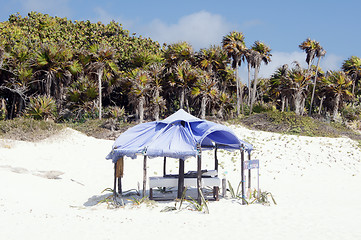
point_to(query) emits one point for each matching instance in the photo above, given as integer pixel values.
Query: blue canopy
(177, 136)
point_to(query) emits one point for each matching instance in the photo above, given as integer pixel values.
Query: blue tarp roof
(177, 136)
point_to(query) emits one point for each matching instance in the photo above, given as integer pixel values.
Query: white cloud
(277, 60)
(329, 62)
(105, 17)
(200, 29)
(280, 58)
(59, 8)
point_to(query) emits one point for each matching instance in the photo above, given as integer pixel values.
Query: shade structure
(177, 136)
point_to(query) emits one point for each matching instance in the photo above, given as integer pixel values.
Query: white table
(154, 182)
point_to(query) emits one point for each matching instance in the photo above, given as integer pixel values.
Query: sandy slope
(49, 190)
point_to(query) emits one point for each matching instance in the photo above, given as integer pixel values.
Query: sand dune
(50, 190)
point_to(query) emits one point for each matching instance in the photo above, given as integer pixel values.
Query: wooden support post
(115, 180)
(119, 174)
(216, 193)
(151, 193)
(181, 178)
(224, 187)
(249, 171)
(120, 191)
(242, 175)
(144, 175)
(164, 170)
(199, 176)
(164, 166)
(216, 159)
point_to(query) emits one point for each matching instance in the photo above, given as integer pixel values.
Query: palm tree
(352, 67)
(177, 53)
(102, 63)
(184, 79)
(16, 75)
(337, 85)
(206, 88)
(155, 72)
(261, 53)
(278, 85)
(235, 47)
(290, 84)
(320, 52)
(249, 55)
(213, 59)
(298, 82)
(51, 64)
(140, 86)
(225, 105)
(309, 46)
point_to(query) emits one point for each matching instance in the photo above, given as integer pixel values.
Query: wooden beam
(181, 178)
(224, 187)
(164, 166)
(115, 180)
(120, 190)
(151, 193)
(144, 175)
(242, 175)
(249, 172)
(216, 159)
(119, 174)
(199, 176)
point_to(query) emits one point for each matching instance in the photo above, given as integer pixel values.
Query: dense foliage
(55, 68)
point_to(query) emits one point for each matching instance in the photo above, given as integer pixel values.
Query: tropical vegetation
(56, 69)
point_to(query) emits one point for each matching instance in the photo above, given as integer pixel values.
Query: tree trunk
(254, 89)
(48, 84)
(144, 175)
(220, 112)
(335, 109)
(302, 107)
(100, 76)
(20, 106)
(187, 105)
(12, 111)
(141, 109)
(249, 84)
(297, 101)
(241, 97)
(283, 103)
(181, 100)
(156, 109)
(321, 102)
(203, 107)
(238, 98)
(314, 86)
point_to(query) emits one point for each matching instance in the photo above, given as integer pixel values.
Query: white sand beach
(50, 190)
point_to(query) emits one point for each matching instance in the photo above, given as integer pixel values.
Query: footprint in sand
(48, 174)
(45, 174)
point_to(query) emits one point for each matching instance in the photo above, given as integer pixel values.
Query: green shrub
(115, 112)
(263, 107)
(41, 108)
(351, 113)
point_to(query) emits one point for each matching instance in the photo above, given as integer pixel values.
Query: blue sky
(282, 25)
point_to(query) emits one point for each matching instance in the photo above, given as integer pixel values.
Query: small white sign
(251, 164)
